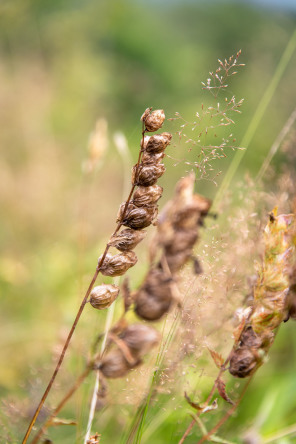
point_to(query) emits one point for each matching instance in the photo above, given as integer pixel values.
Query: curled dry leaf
(202, 408)
(222, 391)
(217, 358)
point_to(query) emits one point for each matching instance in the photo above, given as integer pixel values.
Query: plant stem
(82, 305)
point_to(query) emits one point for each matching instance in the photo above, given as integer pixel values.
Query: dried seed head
(137, 218)
(154, 298)
(118, 265)
(157, 143)
(127, 239)
(103, 296)
(243, 363)
(145, 196)
(154, 120)
(176, 261)
(152, 159)
(177, 241)
(140, 338)
(147, 175)
(114, 364)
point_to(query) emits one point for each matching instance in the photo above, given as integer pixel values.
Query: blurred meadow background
(75, 77)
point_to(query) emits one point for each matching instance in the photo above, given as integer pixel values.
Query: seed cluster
(177, 232)
(270, 298)
(127, 347)
(138, 212)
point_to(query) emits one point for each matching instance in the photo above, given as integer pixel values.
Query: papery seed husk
(130, 207)
(145, 196)
(145, 114)
(243, 363)
(147, 175)
(119, 264)
(152, 159)
(155, 297)
(149, 307)
(114, 365)
(102, 296)
(139, 218)
(127, 240)
(157, 143)
(154, 120)
(140, 338)
(176, 261)
(179, 241)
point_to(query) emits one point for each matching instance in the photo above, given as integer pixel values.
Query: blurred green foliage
(63, 65)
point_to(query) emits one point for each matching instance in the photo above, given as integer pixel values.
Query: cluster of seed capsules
(177, 232)
(272, 292)
(133, 341)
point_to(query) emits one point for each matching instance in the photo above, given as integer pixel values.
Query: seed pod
(103, 296)
(153, 121)
(243, 362)
(152, 159)
(140, 338)
(180, 240)
(114, 364)
(145, 196)
(118, 265)
(176, 261)
(154, 298)
(127, 239)
(157, 143)
(137, 218)
(147, 175)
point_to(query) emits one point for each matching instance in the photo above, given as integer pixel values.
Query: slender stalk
(275, 146)
(97, 381)
(82, 305)
(69, 394)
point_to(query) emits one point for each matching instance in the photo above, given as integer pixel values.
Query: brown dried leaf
(217, 358)
(222, 391)
(203, 408)
(195, 405)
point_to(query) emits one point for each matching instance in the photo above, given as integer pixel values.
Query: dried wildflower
(103, 296)
(115, 365)
(270, 298)
(137, 218)
(140, 338)
(145, 196)
(147, 175)
(157, 144)
(153, 120)
(154, 298)
(152, 159)
(134, 342)
(127, 240)
(117, 265)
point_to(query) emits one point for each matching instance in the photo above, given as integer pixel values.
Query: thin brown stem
(59, 407)
(82, 305)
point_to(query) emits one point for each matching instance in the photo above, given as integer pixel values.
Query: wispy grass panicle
(210, 135)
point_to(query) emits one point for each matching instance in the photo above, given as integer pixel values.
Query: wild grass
(151, 398)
